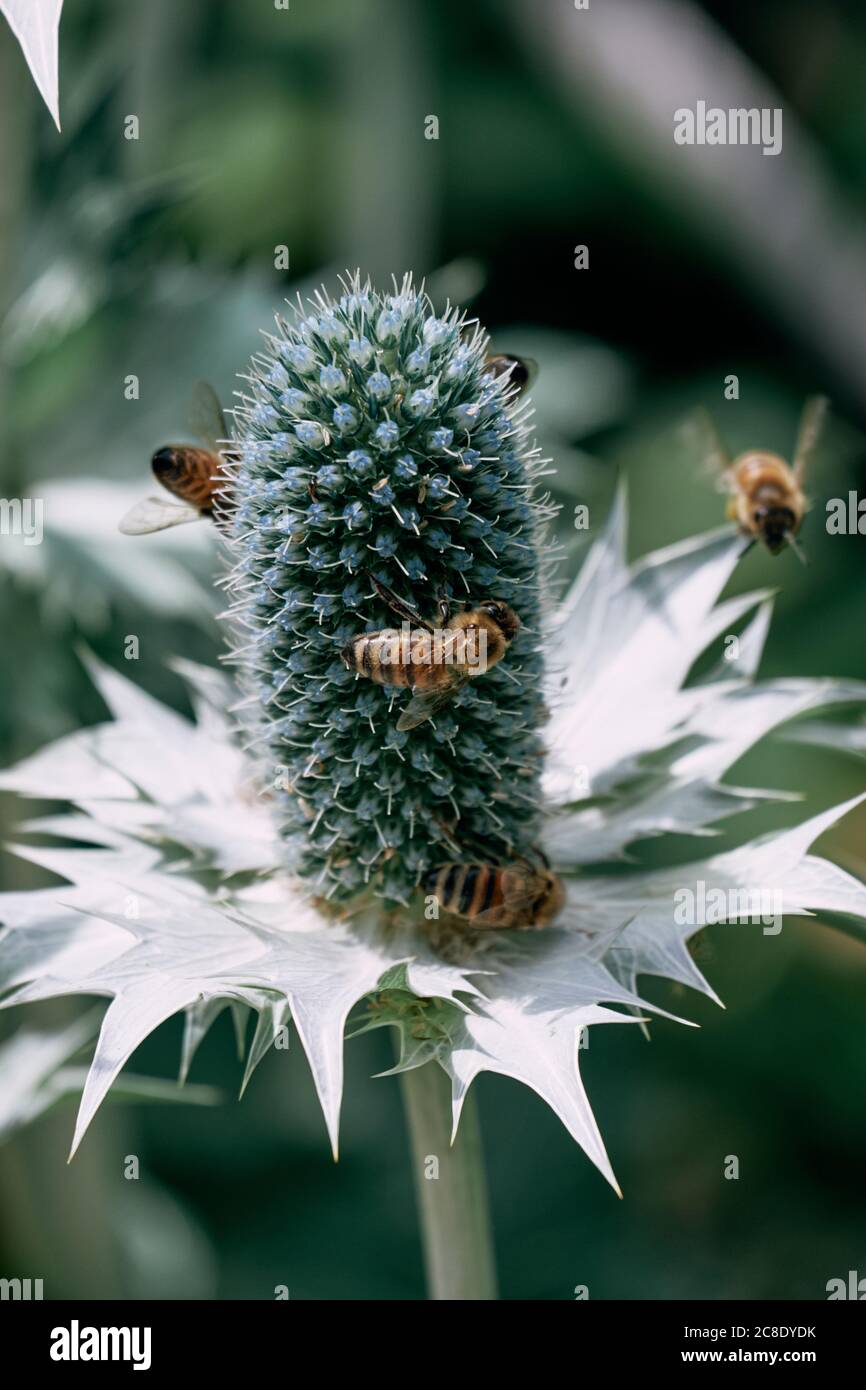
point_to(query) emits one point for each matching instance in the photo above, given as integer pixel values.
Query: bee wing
(494, 917)
(811, 423)
(701, 434)
(156, 514)
(428, 702)
(206, 416)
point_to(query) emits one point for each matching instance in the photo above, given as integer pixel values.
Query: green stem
(452, 1192)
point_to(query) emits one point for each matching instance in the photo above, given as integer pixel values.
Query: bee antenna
(796, 547)
(381, 589)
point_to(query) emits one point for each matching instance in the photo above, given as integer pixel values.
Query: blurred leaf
(841, 738)
(167, 1253)
(245, 135)
(457, 282)
(582, 386)
(82, 564)
(31, 1061)
(37, 1077)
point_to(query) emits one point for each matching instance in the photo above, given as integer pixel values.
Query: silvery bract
(188, 898)
(35, 24)
(39, 1072)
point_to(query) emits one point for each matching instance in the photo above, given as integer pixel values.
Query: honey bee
(190, 473)
(766, 497)
(434, 662)
(521, 371)
(492, 897)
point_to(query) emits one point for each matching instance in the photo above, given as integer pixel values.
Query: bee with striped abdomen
(766, 496)
(492, 897)
(193, 475)
(434, 662)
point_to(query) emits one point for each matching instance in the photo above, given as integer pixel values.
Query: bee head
(165, 465)
(520, 371)
(774, 525)
(505, 618)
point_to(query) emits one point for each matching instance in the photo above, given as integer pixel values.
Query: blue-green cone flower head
(375, 443)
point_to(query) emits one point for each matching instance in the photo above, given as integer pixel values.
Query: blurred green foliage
(305, 128)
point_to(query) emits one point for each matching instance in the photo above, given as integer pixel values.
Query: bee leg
(796, 547)
(747, 547)
(393, 601)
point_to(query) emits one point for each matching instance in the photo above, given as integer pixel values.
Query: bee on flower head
(520, 371)
(192, 474)
(519, 895)
(435, 662)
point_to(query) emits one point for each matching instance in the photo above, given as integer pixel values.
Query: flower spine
(373, 442)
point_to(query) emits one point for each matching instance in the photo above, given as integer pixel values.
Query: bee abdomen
(376, 656)
(465, 889)
(359, 656)
(391, 657)
(189, 473)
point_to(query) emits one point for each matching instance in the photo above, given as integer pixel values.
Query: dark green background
(261, 127)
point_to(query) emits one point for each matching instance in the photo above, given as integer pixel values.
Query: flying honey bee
(521, 371)
(190, 473)
(766, 496)
(435, 662)
(493, 897)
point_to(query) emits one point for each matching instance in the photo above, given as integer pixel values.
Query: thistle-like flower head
(375, 444)
(406, 462)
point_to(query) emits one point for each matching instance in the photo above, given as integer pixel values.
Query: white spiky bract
(39, 1072)
(35, 24)
(180, 903)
